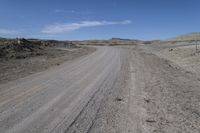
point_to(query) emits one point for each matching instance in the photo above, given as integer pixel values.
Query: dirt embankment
(18, 60)
(165, 97)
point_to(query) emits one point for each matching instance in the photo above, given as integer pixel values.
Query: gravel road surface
(52, 100)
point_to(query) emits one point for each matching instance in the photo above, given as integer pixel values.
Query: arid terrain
(167, 94)
(18, 61)
(185, 56)
(134, 87)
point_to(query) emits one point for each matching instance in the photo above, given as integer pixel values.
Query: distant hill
(1, 38)
(186, 37)
(120, 39)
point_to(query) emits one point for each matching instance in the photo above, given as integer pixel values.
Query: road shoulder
(165, 99)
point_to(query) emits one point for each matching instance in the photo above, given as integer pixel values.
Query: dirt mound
(19, 48)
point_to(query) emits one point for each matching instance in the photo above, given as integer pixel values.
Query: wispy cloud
(60, 28)
(7, 32)
(64, 11)
(86, 12)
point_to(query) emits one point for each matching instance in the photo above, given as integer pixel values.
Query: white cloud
(86, 12)
(126, 22)
(60, 28)
(64, 11)
(7, 32)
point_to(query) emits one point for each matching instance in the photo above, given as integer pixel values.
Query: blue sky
(98, 19)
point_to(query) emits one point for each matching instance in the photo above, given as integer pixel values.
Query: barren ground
(165, 97)
(113, 90)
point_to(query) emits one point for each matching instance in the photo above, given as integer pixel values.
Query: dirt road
(111, 90)
(50, 101)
